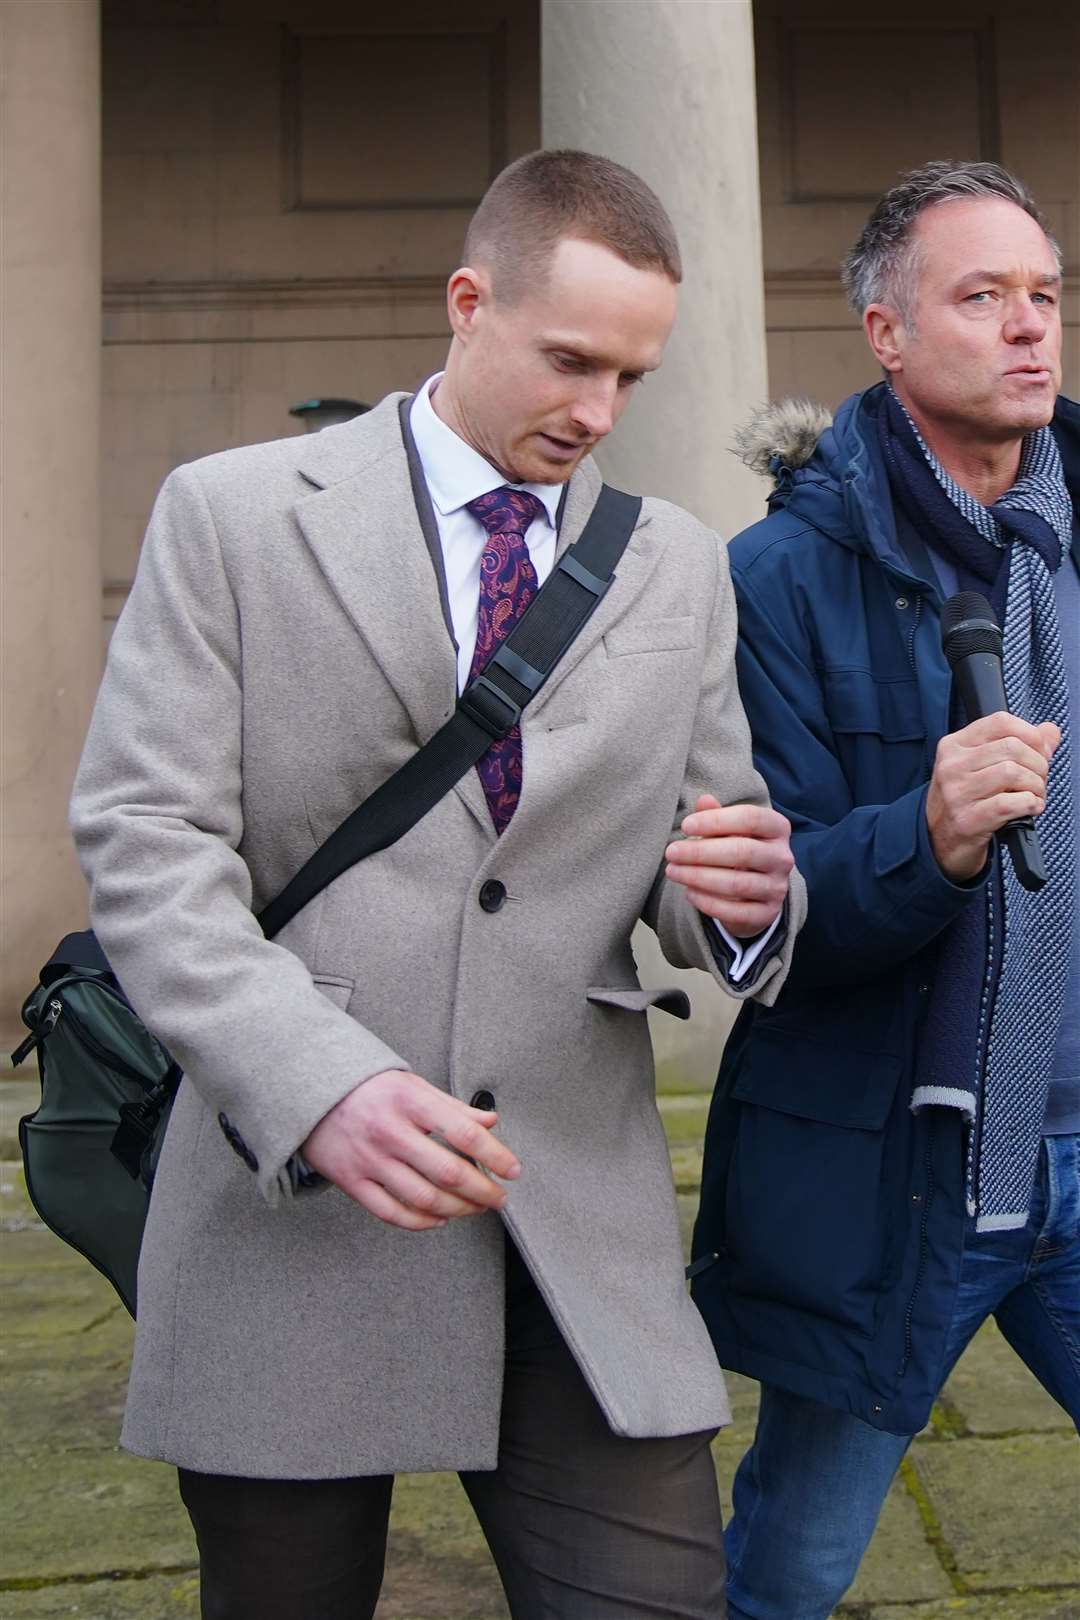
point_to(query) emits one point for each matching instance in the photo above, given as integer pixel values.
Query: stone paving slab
(686, 1160)
(438, 1566)
(899, 1560)
(1017, 1605)
(17, 1097)
(1009, 1510)
(49, 1291)
(685, 1118)
(159, 1597)
(991, 1392)
(988, 1514)
(17, 1214)
(69, 1390)
(91, 1513)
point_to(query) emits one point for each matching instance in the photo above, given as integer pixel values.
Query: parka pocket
(880, 732)
(805, 1205)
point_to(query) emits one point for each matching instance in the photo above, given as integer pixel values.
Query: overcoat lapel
(363, 528)
(631, 574)
(425, 511)
(363, 523)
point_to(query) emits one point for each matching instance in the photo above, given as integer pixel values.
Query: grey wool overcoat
(283, 651)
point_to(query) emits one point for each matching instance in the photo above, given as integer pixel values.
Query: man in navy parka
(892, 1152)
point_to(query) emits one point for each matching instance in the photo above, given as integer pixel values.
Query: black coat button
(482, 1099)
(492, 895)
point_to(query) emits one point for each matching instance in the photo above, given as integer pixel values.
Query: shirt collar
(455, 473)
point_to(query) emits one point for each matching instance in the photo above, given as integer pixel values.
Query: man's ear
(467, 292)
(885, 333)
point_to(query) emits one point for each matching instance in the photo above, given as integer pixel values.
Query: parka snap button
(482, 1099)
(901, 602)
(492, 894)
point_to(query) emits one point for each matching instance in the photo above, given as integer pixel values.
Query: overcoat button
(236, 1142)
(492, 895)
(482, 1099)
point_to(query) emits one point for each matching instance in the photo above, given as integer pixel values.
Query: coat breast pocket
(650, 636)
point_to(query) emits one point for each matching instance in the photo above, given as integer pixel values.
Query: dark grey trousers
(583, 1525)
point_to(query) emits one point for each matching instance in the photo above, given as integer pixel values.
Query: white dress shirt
(455, 474)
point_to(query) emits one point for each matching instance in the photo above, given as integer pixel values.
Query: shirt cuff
(744, 953)
(302, 1175)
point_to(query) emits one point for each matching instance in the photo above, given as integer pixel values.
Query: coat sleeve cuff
(741, 962)
(745, 952)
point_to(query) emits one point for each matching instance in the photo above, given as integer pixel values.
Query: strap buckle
(484, 703)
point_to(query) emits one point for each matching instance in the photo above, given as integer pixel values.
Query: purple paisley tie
(507, 586)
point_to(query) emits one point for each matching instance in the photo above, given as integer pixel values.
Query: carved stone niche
(378, 120)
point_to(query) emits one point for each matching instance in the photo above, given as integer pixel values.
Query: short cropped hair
(548, 195)
(884, 264)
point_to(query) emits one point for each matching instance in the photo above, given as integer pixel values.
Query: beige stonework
(668, 89)
(50, 301)
(848, 98)
(287, 186)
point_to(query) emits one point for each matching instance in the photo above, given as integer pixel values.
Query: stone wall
(286, 186)
(849, 97)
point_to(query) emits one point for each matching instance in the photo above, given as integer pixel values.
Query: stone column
(50, 343)
(667, 87)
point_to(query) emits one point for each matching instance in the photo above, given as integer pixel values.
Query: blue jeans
(808, 1493)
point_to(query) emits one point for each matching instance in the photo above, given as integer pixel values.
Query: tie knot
(506, 510)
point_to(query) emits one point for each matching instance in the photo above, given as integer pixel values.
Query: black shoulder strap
(489, 707)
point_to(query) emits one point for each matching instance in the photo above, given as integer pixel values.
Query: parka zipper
(920, 1272)
(915, 617)
(986, 1018)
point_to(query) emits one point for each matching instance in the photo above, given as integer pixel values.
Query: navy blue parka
(836, 1215)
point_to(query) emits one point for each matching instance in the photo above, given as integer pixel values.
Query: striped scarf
(1015, 546)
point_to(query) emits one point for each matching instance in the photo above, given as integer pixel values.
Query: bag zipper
(37, 1036)
(57, 1007)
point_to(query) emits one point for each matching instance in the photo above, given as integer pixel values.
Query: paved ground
(984, 1523)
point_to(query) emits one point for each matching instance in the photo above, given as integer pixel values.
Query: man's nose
(594, 408)
(1027, 322)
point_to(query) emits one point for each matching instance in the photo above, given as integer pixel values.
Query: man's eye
(568, 362)
(627, 379)
(976, 297)
(1043, 298)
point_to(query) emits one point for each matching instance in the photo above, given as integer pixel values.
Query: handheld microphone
(971, 642)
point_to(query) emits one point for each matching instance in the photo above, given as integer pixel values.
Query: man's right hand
(990, 773)
(378, 1145)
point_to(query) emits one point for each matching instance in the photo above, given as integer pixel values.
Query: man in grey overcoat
(414, 1209)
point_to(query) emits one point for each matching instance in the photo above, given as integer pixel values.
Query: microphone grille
(968, 625)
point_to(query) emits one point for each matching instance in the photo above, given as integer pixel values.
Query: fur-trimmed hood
(782, 434)
(827, 471)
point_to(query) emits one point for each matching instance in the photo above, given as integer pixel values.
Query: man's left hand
(734, 862)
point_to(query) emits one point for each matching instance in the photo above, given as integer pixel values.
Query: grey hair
(884, 264)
